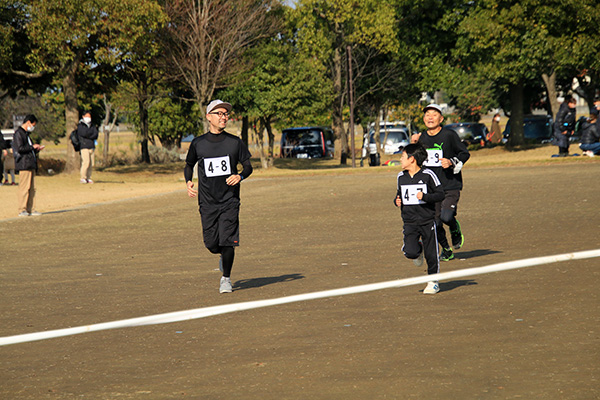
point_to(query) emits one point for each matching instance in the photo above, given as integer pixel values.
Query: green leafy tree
(69, 35)
(516, 42)
(572, 46)
(326, 27)
(505, 42)
(172, 119)
(282, 89)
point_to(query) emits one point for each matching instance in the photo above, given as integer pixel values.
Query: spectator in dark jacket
(3, 146)
(25, 153)
(564, 125)
(88, 134)
(590, 136)
(597, 107)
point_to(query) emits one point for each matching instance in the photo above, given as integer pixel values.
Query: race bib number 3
(409, 194)
(434, 158)
(217, 166)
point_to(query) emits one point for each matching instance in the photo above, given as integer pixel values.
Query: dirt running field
(528, 334)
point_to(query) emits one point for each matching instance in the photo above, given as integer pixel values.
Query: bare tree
(206, 38)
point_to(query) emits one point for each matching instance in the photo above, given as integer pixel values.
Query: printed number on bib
(217, 166)
(434, 158)
(409, 194)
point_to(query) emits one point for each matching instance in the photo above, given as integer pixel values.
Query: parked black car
(470, 132)
(537, 129)
(307, 142)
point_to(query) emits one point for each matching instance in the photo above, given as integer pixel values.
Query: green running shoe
(446, 255)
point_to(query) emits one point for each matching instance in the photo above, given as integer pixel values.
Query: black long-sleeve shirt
(445, 144)
(217, 156)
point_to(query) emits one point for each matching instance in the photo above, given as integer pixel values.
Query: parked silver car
(394, 137)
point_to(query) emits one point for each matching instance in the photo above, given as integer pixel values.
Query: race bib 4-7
(409, 194)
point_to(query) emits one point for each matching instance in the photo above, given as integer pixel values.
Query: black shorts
(450, 202)
(221, 224)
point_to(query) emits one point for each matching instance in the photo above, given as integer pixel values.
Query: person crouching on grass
(418, 191)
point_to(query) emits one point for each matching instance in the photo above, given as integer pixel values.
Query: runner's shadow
(447, 286)
(475, 253)
(259, 282)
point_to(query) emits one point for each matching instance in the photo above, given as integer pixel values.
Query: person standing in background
(88, 134)
(495, 135)
(564, 126)
(8, 160)
(25, 153)
(3, 146)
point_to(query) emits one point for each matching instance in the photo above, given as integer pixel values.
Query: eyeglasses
(221, 114)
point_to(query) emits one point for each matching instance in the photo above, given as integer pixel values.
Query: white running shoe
(419, 260)
(225, 285)
(35, 213)
(432, 288)
(83, 180)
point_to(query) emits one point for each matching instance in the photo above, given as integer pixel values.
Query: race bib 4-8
(409, 194)
(217, 166)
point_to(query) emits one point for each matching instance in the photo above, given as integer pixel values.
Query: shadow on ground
(475, 253)
(448, 286)
(316, 163)
(259, 282)
(157, 169)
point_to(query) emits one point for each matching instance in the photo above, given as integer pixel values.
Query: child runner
(419, 189)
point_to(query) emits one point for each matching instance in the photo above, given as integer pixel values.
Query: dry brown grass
(64, 191)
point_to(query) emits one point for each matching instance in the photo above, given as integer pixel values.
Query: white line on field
(228, 308)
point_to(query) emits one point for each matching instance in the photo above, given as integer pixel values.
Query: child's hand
(420, 195)
(398, 201)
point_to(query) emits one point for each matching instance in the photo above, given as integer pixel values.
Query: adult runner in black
(446, 155)
(218, 154)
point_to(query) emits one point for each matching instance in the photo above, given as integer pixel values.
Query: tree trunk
(587, 89)
(144, 131)
(71, 115)
(106, 128)
(245, 130)
(337, 120)
(271, 136)
(517, 136)
(259, 141)
(550, 82)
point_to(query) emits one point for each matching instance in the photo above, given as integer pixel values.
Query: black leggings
(227, 254)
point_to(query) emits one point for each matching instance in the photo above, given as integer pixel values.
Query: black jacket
(25, 154)
(414, 211)
(87, 135)
(589, 133)
(565, 119)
